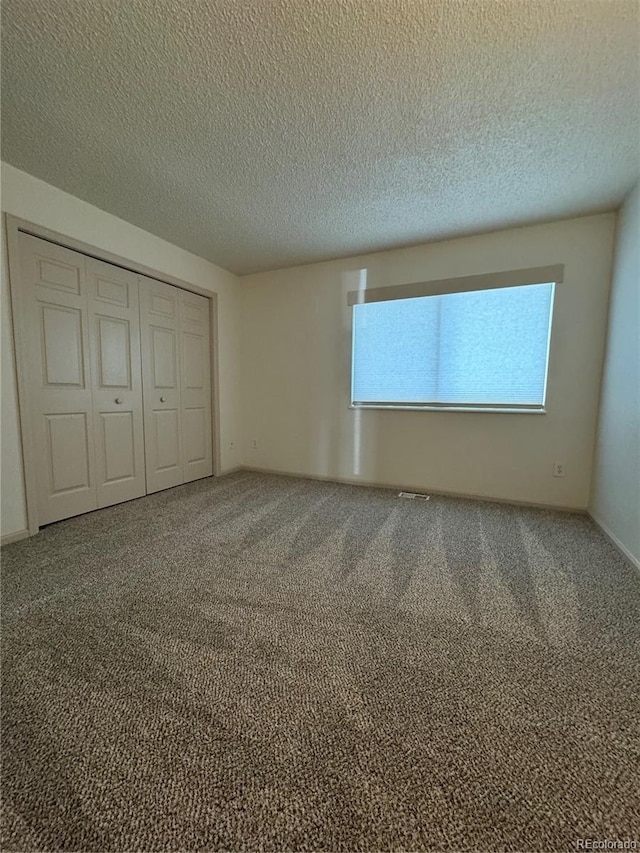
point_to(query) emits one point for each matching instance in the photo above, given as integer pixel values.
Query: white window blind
(479, 349)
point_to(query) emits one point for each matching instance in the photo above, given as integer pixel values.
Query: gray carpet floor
(269, 663)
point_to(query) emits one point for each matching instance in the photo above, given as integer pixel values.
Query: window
(482, 349)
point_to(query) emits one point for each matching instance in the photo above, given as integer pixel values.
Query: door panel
(164, 357)
(117, 389)
(159, 324)
(112, 290)
(61, 335)
(195, 374)
(167, 438)
(68, 451)
(163, 305)
(53, 270)
(193, 347)
(114, 353)
(195, 435)
(54, 327)
(118, 443)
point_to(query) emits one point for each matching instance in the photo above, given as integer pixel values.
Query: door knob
(118, 399)
(163, 399)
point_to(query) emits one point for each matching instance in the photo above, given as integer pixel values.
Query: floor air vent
(413, 496)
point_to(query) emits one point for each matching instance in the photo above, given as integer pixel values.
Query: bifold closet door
(80, 322)
(53, 330)
(195, 386)
(176, 384)
(160, 330)
(117, 382)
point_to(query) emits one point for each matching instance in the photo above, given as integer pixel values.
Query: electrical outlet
(254, 444)
(558, 469)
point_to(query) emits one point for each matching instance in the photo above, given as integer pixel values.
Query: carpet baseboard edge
(610, 535)
(234, 470)
(8, 538)
(405, 487)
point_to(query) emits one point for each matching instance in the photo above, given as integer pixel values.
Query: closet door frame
(20, 331)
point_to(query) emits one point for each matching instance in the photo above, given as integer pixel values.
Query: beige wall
(615, 499)
(296, 369)
(284, 337)
(33, 200)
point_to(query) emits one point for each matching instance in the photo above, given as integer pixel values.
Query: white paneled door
(195, 373)
(117, 382)
(176, 384)
(160, 328)
(55, 329)
(118, 376)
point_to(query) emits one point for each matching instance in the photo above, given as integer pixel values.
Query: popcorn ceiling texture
(264, 134)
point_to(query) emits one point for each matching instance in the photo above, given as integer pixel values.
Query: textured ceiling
(264, 133)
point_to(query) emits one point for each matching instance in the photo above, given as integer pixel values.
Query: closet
(177, 395)
(118, 380)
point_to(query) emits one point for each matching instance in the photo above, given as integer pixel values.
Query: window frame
(515, 278)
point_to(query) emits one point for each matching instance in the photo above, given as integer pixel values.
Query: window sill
(491, 409)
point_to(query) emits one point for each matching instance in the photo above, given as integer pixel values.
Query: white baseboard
(8, 538)
(626, 553)
(411, 487)
(226, 471)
